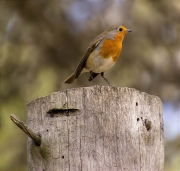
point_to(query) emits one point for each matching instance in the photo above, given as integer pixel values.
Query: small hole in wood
(148, 125)
(137, 119)
(136, 103)
(162, 127)
(62, 157)
(141, 118)
(47, 130)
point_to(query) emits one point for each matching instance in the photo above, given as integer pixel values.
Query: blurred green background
(42, 41)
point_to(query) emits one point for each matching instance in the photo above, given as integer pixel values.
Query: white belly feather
(97, 64)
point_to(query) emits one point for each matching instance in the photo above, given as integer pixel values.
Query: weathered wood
(98, 128)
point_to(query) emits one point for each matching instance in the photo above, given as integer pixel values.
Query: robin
(102, 54)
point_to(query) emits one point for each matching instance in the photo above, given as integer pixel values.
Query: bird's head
(119, 31)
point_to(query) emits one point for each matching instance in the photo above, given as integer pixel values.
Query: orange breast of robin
(112, 47)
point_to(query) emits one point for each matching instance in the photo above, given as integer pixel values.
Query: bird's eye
(120, 29)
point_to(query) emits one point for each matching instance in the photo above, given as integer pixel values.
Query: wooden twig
(35, 137)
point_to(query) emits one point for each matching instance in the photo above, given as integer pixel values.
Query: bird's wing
(82, 62)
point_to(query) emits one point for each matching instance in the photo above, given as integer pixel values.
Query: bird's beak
(129, 30)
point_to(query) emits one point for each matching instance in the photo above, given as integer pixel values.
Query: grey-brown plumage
(82, 62)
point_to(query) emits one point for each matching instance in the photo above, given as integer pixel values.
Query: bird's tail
(70, 79)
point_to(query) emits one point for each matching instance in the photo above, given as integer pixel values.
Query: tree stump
(98, 128)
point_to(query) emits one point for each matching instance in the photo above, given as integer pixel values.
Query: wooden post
(98, 128)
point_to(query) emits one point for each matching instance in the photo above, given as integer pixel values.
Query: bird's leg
(102, 74)
(92, 78)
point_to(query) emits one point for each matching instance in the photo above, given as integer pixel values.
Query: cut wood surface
(98, 128)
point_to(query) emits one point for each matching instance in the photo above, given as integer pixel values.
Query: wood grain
(98, 128)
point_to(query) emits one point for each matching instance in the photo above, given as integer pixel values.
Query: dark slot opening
(61, 112)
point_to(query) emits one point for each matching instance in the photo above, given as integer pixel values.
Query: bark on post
(98, 128)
